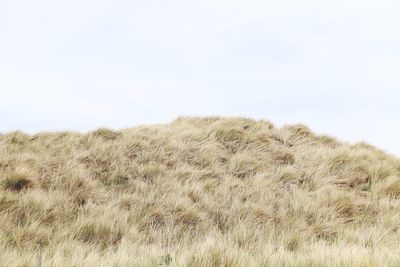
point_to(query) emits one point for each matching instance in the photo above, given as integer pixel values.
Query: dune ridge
(197, 192)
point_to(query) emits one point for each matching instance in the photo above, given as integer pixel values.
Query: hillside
(197, 192)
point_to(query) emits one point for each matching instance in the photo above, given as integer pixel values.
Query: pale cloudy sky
(78, 65)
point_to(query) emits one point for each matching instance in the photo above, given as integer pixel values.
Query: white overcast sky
(78, 65)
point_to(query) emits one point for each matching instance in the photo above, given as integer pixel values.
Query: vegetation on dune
(197, 192)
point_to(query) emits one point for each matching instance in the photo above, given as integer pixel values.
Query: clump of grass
(18, 138)
(18, 180)
(164, 260)
(242, 165)
(293, 244)
(229, 135)
(102, 235)
(106, 134)
(80, 189)
(32, 236)
(300, 130)
(390, 187)
(289, 174)
(283, 156)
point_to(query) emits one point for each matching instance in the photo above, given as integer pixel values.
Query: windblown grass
(197, 192)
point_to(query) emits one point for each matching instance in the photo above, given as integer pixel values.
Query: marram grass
(197, 192)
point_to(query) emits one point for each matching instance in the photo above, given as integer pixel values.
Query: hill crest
(206, 191)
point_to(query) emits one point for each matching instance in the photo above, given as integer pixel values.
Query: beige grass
(205, 191)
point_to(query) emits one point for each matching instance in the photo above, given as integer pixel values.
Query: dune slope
(197, 192)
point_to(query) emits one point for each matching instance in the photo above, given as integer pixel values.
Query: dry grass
(197, 192)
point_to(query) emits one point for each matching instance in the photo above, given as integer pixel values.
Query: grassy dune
(197, 192)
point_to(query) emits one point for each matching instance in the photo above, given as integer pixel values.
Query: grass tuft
(18, 180)
(106, 134)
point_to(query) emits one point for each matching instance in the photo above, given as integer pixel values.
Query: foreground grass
(199, 192)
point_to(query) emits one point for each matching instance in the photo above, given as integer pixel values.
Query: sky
(80, 65)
